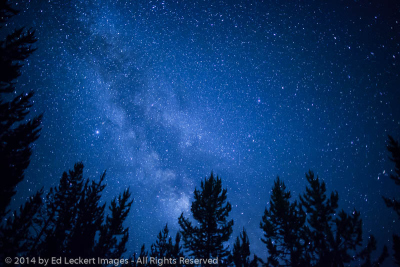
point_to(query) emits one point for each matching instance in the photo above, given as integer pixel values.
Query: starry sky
(161, 93)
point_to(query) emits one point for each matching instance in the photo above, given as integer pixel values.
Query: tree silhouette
(282, 224)
(210, 211)
(62, 213)
(72, 221)
(313, 232)
(393, 203)
(17, 238)
(365, 254)
(113, 236)
(333, 237)
(325, 245)
(16, 134)
(165, 249)
(141, 259)
(89, 218)
(241, 252)
(321, 211)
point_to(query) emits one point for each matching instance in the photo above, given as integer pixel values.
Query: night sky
(161, 93)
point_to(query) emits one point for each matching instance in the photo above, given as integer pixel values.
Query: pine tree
(62, 213)
(16, 234)
(164, 248)
(282, 225)
(72, 222)
(241, 252)
(365, 254)
(206, 240)
(321, 211)
(393, 203)
(313, 233)
(113, 236)
(16, 133)
(333, 237)
(140, 260)
(89, 219)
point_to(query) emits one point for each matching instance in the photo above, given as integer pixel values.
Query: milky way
(161, 93)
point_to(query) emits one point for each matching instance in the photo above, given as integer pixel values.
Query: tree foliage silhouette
(164, 248)
(140, 259)
(282, 224)
(70, 222)
(312, 232)
(365, 254)
(73, 222)
(241, 252)
(210, 211)
(332, 238)
(62, 213)
(17, 134)
(113, 236)
(17, 237)
(394, 149)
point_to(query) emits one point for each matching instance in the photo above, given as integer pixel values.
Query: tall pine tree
(139, 259)
(282, 225)
(334, 237)
(206, 240)
(17, 133)
(62, 213)
(113, 235)
(313, 232)
(73, 223)
(241, 252)
(17, 235)
(393, 203)
(164, 248)
(321, 214)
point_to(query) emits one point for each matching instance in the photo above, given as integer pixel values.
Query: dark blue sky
(160, 93)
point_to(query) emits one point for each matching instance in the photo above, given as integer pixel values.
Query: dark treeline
(70, 221)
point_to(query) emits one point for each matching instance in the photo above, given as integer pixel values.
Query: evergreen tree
(393, 203)
(16, 134)
(313, 233)
(140, 260)
(206, 240)
(365, 254)
(62, 211)
(113, 236)
(282, 225)
(333, 237)
(241, 252)
(73, 223)
(164, 248)
(16, 234)
(321, 211)
(89, 219)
